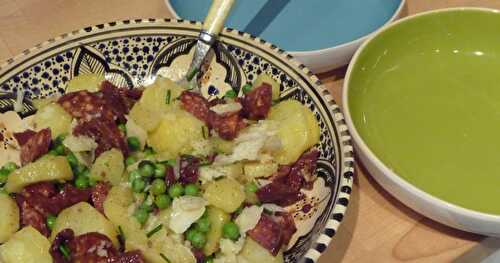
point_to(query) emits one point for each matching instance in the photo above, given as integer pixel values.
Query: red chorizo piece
(279, 192)
(285, 220)
(104, 132)
(98, 195)
(257, 103)
(90, 248)
(69, 196)
(227, 126)
(196, 105)
(112, 96)
(86, 106)
(31, 217)
(34, 147)
(305, 167)
(268, 234)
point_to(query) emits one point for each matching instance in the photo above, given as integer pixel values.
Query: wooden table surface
(377, 227)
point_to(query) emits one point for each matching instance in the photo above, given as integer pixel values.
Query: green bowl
(422, 100)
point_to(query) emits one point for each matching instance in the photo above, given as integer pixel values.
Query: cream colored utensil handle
(219, 10)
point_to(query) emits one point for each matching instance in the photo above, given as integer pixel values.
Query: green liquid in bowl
(425, 98)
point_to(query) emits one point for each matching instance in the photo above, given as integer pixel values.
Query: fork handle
(214, 22)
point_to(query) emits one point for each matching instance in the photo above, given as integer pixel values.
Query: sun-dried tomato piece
(285, 188)
(62, 238)
(37, 145)
(91, 248)
(31, 216)
(188, 169)
(196, 105)
(280, 193)
(105, 133)
(268, 234)
(305, 167)
(227, 126)
(23, 137)
(85, 106)
(98, 195)
(285, 220)
(257, 103)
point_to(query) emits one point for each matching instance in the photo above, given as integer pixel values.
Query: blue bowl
(300, 26)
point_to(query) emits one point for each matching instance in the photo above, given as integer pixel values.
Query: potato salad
(157, 174)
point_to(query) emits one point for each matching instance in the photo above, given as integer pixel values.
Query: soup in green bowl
(423, 100)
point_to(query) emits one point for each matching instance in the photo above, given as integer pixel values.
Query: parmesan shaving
(185, 211)
(226, 108)
(249, 218)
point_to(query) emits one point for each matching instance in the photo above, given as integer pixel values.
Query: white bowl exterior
(322, 60)
(420, 201)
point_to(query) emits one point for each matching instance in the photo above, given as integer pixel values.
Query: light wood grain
(377, 227)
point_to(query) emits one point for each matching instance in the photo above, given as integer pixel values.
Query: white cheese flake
(185, 211)
(79, 143)
(226, 108)
(249, 218)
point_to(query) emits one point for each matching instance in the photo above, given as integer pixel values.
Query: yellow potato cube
(26, 246)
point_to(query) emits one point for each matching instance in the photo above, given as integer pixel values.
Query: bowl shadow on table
(423, 227)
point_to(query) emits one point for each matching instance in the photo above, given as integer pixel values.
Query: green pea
(59, 149)
(191, 189)
(148, 151)
(138, 185)
(146, 168)
(59, 139)
(247, 88)
(209, 260)
(230, 94)
(130, 160)
(53, 152)
(231, 230)
(198, 239)
(51, 221)
(134, 175)
(85, 172)
(158, 187)
(163, 201)
(141, 215)
(4, 175)
(191, 233)
(122, 128)
(10, 166)
(133, 143)
(251, 187)
(72, 160)
(82, 182)
(203, 225)
(176, 190)
(160, 170)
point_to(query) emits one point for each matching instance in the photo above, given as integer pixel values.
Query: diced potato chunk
(217, 219)
(259, 170)
(155, 101)
(83, 218)
(221, 145)
(177, 132)
(313, 127)
(40, 103)
(252, 252)
(226, 194)
(10, 217)
(27, 246)
(89, 82)
(109, 167)
(54, 117)
(47, 168)
(173, 250)
(265, 78)
(293, 130)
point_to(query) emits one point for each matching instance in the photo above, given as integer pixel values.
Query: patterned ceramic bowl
(131, 53)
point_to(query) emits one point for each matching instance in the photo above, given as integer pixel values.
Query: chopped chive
(65, 251)
(169, 94)
(170, 162)
(164, 258)
(204, 132)
(191, 74)
(156, 229)
(121, 236)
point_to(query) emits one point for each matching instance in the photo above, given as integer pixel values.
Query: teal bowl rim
(362, 146)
